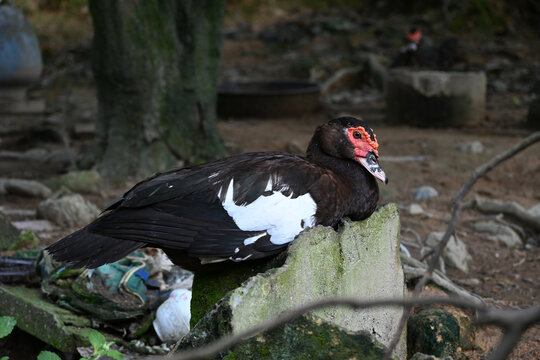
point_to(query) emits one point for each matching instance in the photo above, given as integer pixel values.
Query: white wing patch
(282, 217)
(252, 239)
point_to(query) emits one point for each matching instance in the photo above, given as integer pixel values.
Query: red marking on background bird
(414, 36)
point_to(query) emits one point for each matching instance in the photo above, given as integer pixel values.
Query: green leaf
(7, 323)
(115, 354)
(4, 358)
(48, 355)
(96, 339)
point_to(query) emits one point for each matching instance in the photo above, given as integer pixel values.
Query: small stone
(535, 210)
(28, 188)
(498, 64)
(469, 282)
(499, 233)
(499, 86)
(68, 210)
(455, 253)
(473, 147)
(420, 356)
(424, 192)
(415, 209)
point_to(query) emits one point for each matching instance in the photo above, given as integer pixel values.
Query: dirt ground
(504, 276)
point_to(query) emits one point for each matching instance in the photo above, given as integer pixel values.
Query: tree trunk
(156, 65)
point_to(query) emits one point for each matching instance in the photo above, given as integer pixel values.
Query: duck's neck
(362, 188)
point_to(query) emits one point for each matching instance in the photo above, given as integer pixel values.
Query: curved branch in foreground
(521, 320)
(457, 206)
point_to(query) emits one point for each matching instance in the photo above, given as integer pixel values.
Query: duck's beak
(371, 163)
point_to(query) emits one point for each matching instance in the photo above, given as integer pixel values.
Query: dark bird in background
(419, 53)
(242, 207)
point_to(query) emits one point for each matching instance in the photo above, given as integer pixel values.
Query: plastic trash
(173, 316)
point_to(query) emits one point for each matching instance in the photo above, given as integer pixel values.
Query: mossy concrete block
(49, 323)
(312, 338)
(210, 286)
(86, 181)
(435, 98)
(433, 332)
(361, 260)
(8, 233)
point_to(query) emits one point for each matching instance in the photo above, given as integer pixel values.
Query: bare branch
(457, 206)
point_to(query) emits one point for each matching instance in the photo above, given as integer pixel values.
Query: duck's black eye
(356, 134)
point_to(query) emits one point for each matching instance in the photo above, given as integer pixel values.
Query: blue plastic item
(20, 54)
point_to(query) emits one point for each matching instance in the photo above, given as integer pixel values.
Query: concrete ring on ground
(435, 98)
(268, 98)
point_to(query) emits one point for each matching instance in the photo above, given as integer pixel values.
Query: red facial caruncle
(362, 142)
(366, 151)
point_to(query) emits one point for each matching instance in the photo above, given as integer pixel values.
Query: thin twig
(457, 206)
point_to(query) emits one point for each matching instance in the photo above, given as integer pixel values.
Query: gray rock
(420, 356)
(473, 147)
(535, 210)
(415, 209)
(8, 233)
(35, 225)
(28, 188)
(500, 233)
(470, 282)
(435, 98)
(499, 86)
(87, 182)
(3, 190)
(362, 260)
(455, 253)
(68, 210)
(498, 64)
(425, 192)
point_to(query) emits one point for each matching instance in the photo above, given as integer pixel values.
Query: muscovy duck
(247, 206)
(418, 53)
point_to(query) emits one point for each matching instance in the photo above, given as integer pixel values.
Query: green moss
(87, 182)
(210, 287)
(433, 332)
(308, 338)
(26, 239)
(38, 317)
